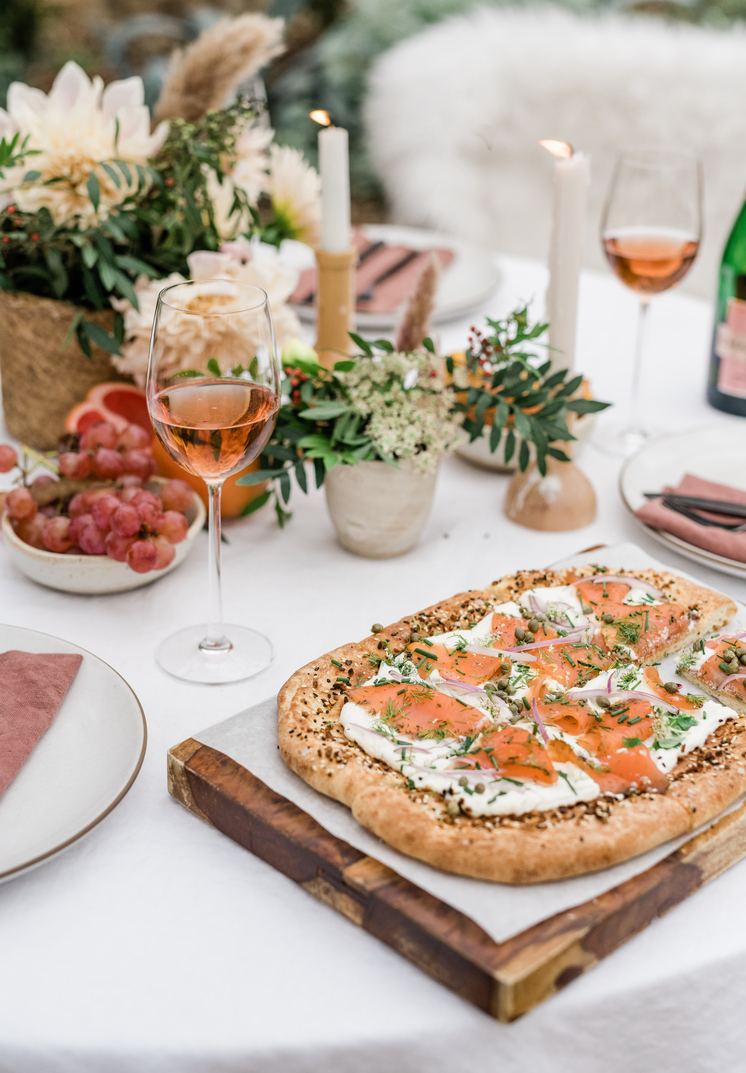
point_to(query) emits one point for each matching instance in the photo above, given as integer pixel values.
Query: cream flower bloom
(74, 128)
(186, 345)
(295, 190)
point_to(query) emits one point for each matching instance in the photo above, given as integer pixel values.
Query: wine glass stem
(215, 641)
(636, 423)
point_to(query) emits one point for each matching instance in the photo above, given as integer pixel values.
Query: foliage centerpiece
(95, 206)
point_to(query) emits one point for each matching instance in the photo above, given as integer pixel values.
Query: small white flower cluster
(409, 409)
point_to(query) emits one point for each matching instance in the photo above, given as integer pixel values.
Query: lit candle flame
(320, 116)
(563, 149)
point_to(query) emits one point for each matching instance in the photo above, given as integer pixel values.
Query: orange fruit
(125, 404)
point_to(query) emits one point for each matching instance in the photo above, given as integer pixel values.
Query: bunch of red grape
(120, 518)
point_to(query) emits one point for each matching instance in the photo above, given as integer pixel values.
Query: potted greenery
(95, 206)
(376, 426)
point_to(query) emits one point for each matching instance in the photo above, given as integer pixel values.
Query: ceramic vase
(379, 511)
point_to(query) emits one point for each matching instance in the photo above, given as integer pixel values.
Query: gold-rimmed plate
(81, 767)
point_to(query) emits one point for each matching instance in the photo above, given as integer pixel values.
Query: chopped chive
(637, 719)
(526, 704)
(426, 642)
(428, 655)
(337, 663)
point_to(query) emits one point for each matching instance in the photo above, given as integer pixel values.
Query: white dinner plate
(82, 766)
(714, 452)
(466, 283)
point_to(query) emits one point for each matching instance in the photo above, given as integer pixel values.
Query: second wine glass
(213, 390)
(650, 233)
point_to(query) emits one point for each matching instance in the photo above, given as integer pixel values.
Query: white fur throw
(454, 117)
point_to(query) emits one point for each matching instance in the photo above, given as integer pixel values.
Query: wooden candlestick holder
(335, 305)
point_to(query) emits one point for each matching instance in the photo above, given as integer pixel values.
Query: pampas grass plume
(413, 328)
(203, 75)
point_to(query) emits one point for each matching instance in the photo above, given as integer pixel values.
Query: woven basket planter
(41, 381)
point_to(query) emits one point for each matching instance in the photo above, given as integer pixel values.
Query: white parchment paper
(250, 738)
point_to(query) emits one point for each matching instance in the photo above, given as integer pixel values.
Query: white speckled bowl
(94, 574)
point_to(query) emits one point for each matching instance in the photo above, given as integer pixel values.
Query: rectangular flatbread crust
(533, 848)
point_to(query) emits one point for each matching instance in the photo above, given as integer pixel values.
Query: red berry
(134, 436)
(74, 465)
(93, 540)
(56, 534)
(118, 545)
(8, 458)
(100, 434)
(20, 504)
(177, 495)
(166, 552)
(150, 515)
(142, 555)
(30, 530)
(107, 463)
(125, 521)
(103, 509)
(139, 462)
(173, 527)
(78, 524)
(131, 480)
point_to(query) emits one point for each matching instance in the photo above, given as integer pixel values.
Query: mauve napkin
(32, 687)
(719, 541)
(390, 292)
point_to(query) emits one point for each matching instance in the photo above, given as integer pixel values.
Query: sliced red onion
(731, 678)
(480, 650)
(539, 721)
(571, 638)
(633, 582)
(625, 694)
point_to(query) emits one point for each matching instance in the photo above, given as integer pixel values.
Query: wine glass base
(181, 655)
(621, 441)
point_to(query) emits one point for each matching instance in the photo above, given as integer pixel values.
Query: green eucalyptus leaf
(94, 190)
(256, 504)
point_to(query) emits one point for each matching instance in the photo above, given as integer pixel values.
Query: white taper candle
(571, 181)
(334, 165)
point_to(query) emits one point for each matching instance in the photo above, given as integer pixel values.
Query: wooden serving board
(504, 979)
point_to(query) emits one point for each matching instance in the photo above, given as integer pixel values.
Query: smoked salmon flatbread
(521, 733)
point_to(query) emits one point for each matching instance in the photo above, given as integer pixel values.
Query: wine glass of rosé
(650, 232)
(213, 389)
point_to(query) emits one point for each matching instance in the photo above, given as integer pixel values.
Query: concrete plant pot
(377, 510)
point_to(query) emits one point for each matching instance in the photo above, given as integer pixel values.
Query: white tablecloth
(157, 944)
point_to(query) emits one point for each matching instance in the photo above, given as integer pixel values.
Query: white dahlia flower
(295, 190)
(187, 346)
(74, 129)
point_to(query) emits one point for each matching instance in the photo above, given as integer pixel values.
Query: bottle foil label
(730, 347)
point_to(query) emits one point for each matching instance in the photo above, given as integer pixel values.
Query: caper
(671, 687)
(503, 683)
(510, 690)
(608, 619)
(603, 702)
(376, 628)
(479, 788)
(453, 808)
(529, 638)
(515, 708)
(743, 658)
(520, 633)
(463, 781)
(534, 625)
(506, 666)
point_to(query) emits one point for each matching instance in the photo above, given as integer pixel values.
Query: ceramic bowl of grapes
(94, 518)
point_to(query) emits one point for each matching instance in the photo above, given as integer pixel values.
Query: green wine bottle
(726, 385)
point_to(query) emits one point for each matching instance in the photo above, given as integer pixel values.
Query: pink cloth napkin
(32, 687)
(718, 541)
(389, 293)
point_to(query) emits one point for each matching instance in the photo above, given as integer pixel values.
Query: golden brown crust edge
(545, 846)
